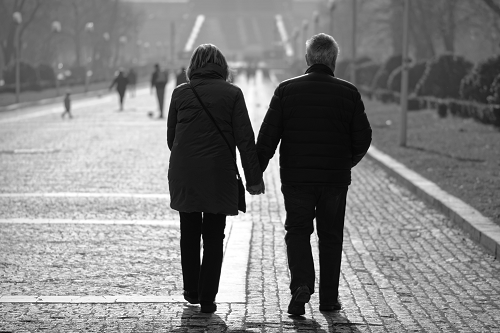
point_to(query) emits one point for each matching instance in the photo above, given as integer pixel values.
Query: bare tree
(28, 10)
(494, 6)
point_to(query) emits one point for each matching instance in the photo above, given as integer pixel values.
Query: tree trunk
(76, 28)
(396, 24)
(420, 33)
(448, 26)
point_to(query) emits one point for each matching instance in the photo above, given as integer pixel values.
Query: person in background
(181, 77)
(159, 80)
(324, 133)
(132, 81)
(121, 83)
(202, 170)
(67, 105)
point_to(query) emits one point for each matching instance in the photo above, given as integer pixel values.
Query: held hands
(257, 189)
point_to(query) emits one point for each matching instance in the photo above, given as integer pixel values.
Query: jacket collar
(320, 68)
(209, 71)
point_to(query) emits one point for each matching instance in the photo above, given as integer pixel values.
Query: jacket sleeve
(361, 132)
(270, 132)
(245, 141)
(171, 123)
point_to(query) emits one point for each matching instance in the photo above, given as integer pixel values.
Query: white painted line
(232, 286)
(75, 299)
(488, 233)
(71, 221)
(51, 109)
(86, 195)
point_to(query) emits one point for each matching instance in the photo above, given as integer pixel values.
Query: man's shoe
(330, 307)
(191, 297)
(300, 296)
(208, 307)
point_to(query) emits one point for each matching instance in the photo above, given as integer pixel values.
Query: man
(181, 77)
(159, 80)
(324, 132)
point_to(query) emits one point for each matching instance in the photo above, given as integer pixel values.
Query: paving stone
(405, 267)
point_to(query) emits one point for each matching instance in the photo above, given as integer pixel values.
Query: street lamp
(315, 22)
(332, 4)
(305, 26)
(122, 40)
(18, 20)
(353, 40)
(56, 28)
(295, 38)
(404, 77)
(89, 28)
(105, 54)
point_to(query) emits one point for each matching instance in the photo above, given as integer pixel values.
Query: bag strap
(218, 128)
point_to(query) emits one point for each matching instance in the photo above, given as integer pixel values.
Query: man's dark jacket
(323, 128)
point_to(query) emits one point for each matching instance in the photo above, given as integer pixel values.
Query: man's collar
(320, 68)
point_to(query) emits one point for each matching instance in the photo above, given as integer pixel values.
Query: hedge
(415, 73)
(476, 86)
(442, 76)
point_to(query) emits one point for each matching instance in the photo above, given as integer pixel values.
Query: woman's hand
(257, 189)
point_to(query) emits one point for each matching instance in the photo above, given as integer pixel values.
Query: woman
(202, 172)
(121, 82)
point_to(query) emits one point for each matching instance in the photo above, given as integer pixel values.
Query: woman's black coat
(201, 174)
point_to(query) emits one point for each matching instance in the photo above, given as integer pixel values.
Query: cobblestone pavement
(405, 267)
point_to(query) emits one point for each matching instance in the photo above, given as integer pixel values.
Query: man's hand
(257, 189)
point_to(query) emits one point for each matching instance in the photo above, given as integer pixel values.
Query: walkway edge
(52, 100)
(480, 228)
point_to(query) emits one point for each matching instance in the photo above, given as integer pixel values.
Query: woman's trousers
(202, 275)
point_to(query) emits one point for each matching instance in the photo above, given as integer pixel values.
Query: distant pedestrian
(132, 81)
(159, 80)
(324, 132)
(67, 105)
(121, 83)
(202, 170)
(181, 77)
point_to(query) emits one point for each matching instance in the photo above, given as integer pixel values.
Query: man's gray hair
(322, 49)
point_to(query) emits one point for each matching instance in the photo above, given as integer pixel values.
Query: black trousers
(121, 94)
(203, 278)
(327, 205)
(160, 94)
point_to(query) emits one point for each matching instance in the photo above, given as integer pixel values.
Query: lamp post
(315, 22)
(18, 20)
(147, 51)
(302, 39)
(158, 50)
(353, 40)
(404, 77)
(89, 28)
(56, 28)
(172, 43)
(122, 40)
(295, 38)
(332, 4)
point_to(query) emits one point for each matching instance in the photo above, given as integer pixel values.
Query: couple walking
(324, 132)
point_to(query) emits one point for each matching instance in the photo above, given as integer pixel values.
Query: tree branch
(31, 17)
(493, 6)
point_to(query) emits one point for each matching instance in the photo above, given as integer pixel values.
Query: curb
(51, 100)
(479, 228)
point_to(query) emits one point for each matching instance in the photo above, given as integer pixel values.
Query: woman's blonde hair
(204, 54)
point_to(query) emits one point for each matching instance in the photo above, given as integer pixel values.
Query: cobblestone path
(88, 242)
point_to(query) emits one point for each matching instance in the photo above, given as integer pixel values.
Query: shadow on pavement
(193, 319)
